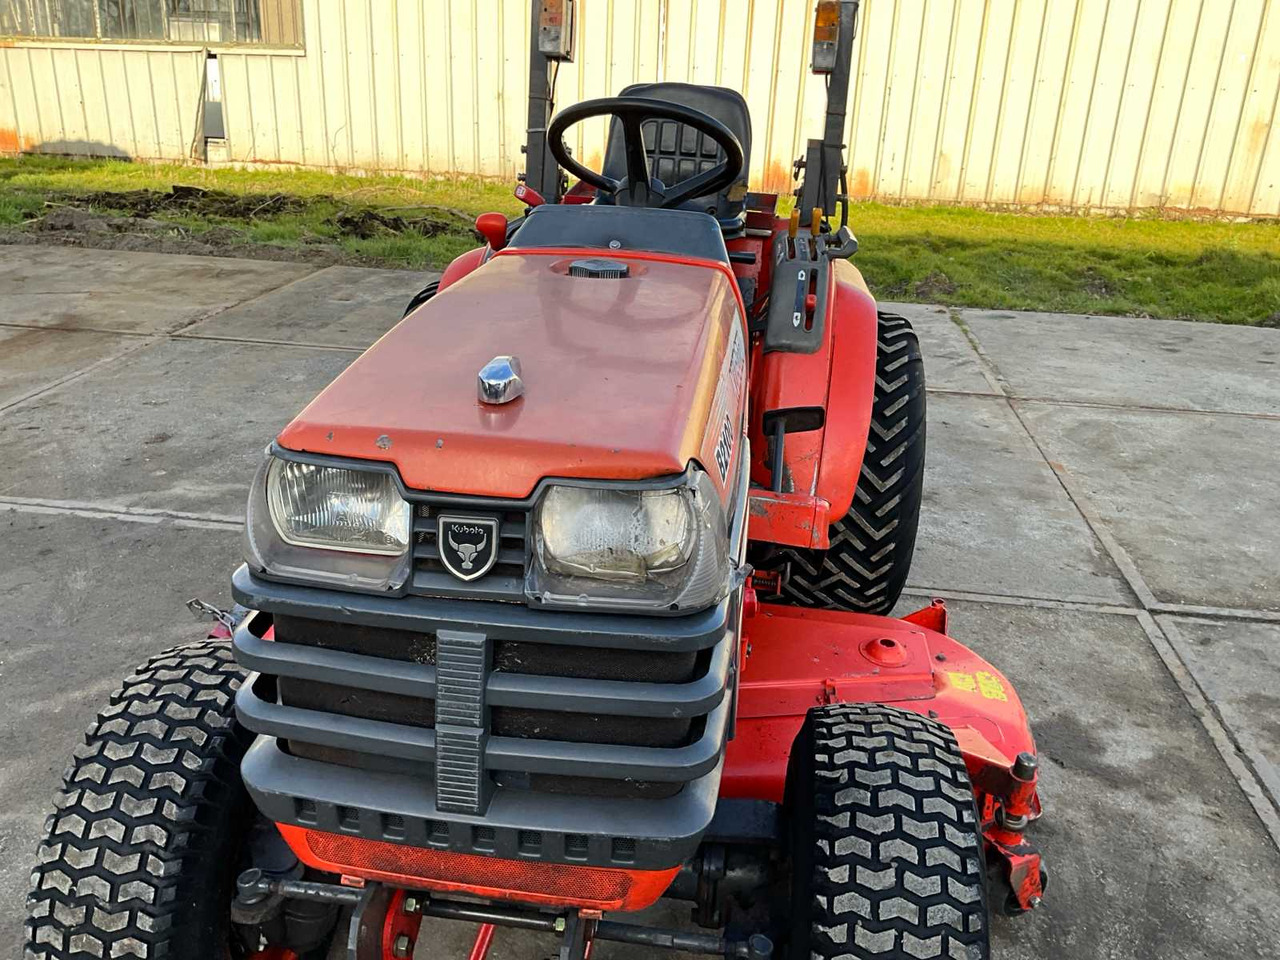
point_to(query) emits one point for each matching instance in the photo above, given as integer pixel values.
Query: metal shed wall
(1076, 104)
(109, 101)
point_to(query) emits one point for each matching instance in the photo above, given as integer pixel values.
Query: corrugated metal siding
(1077, 104)
(102, 102)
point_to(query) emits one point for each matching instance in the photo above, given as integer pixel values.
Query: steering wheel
(638, 188)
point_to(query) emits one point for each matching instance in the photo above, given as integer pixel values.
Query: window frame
(152, 44)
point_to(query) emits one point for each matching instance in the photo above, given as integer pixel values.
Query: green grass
(1147, 266)
(28, 183)
(36, 174)
(1186, 269)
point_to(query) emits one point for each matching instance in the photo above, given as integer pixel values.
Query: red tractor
(571, 594)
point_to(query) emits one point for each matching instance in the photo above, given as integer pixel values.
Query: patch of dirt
(1096, 285)
(62, 219)
(192, 200)
(936, 284)
(367, 223)
(353, 221)
(127, 220)
(1272, 321)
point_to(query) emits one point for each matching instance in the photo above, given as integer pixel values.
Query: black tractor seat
(677, 152)
(683, 233)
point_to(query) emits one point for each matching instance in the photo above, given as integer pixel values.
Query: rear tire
(140, 855)
(886, 851)
(866, 566)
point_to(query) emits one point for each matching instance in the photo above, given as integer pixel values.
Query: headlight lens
(344, 528)
(648, 550)
(616, 535)
(337, 509)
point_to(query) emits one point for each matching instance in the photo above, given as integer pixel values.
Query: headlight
(662, 549)
(336, 508)
(342, 527)
(612, 535)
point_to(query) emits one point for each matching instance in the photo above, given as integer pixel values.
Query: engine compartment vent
(598, 268)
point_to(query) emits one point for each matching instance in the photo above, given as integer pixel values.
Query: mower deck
(799, 658)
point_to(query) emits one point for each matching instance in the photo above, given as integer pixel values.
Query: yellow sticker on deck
(963, 681)
(990, 686)
(984, 683)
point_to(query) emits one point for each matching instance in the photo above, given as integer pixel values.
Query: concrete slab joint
(1249, 753)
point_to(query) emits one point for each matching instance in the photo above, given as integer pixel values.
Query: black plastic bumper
(412, 796)
(635, 834)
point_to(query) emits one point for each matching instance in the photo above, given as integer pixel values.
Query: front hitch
(385, 922)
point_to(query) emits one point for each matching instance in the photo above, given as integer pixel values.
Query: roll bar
(823, 163)
(821, 170)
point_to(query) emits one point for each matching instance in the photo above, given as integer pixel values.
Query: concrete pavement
(1101, 511)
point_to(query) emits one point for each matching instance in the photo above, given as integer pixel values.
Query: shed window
(276, 23)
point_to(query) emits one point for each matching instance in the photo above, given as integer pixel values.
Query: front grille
(539, 719)
(600, 738)
(505, 581)
(534, 659)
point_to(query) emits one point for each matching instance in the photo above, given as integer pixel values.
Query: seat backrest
(677, 151)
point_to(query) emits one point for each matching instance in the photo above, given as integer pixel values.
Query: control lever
(843, 244)
(529, 196)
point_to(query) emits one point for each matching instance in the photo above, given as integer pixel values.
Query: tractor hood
(619, 377)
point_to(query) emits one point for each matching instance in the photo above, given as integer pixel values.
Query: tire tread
(146, 797)
(865, 567)
(896, 852)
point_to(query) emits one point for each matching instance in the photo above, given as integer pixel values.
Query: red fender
(822, 465)
(463, 265)
(853, 377)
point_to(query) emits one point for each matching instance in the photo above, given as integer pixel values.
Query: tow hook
(207, 611)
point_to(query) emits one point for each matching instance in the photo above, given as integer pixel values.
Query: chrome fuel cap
(500, 381)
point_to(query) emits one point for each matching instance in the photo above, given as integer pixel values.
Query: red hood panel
(618, 376)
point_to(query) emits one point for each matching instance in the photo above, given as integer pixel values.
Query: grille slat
(426, 549)
(438, 582)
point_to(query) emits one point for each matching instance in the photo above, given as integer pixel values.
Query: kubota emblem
(468, 545)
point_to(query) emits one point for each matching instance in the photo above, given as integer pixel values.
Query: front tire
(886, 851)
(866, 566)
(140, 854)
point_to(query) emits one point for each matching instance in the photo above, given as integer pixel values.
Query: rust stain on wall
(10, 142)
(1031, 194)
(1259, 130)
(776, 179)
(860, 188)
